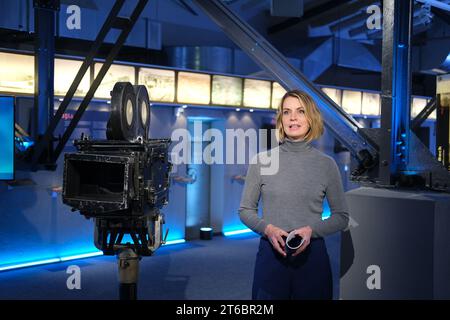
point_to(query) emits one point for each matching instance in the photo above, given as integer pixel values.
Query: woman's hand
(305, 233)
(275, 234)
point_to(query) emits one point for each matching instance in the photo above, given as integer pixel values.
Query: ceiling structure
(327, 39)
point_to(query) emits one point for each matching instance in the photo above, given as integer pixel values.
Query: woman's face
(295, 124)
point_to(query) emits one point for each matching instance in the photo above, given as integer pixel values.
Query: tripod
(128, 262)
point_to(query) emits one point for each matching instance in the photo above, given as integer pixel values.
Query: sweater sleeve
(248, 209)
(338, 205)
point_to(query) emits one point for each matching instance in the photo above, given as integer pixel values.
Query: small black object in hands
(293, 242)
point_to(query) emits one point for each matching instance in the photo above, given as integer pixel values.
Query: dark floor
(220, 269)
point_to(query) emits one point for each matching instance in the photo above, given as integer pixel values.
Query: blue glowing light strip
(30, 264)
(231, 233)
(174, 242)
(67, 258)
(81, 256)
(48, 261)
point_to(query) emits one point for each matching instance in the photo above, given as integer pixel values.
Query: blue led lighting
(200, 118)
(27, 144)
(7, 138)
(81, 256)
(66, 258)
(231, 233)
(326, 213)
(49, 261)
(29, 264)
(410, 173)
(174, 242)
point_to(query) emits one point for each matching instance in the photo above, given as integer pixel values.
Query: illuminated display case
(116, 73)
(371, 103)
(277, 94)
(171, 86)
(226, 91)
(334, 94)
(17, 73)
(65, 72)
(257, 93)
(160, 83)
(351, 101)
(193, 88)
(417, 105)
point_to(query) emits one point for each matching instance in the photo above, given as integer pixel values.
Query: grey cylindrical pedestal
(398, 247)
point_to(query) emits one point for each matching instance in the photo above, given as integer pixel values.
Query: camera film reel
(122, 123)
(143, 111)
(130, 113)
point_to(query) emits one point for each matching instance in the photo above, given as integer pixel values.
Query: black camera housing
(111, 179)
(122, 182)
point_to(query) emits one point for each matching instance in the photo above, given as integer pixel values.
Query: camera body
(112, 179)
(122, 182)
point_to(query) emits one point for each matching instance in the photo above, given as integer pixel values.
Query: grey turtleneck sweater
(293, 197)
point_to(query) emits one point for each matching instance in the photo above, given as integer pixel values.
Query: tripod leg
(128, 262)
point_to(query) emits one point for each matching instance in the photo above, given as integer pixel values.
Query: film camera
(121, 182)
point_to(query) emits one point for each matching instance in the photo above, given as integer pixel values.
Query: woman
(292, 201)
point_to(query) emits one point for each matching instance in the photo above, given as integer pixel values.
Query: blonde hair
(312, 114)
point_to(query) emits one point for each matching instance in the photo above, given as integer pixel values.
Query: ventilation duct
(214, 59)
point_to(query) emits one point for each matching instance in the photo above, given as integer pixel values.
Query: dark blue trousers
(306, 276)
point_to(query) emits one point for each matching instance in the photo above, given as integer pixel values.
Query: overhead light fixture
(238, 109)
(251, 110)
